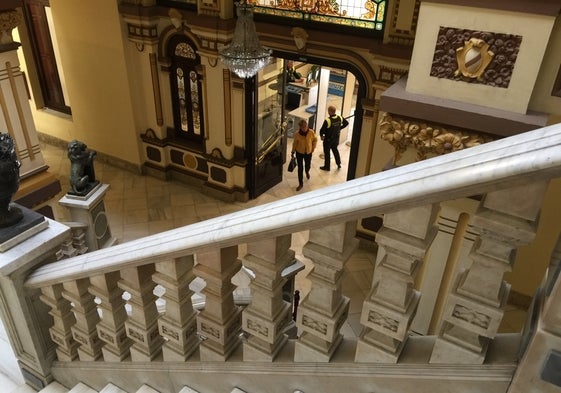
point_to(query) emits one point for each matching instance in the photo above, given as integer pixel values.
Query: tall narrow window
(43, 44)
(186, 86)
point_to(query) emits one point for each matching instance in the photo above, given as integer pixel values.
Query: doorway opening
(290, 89)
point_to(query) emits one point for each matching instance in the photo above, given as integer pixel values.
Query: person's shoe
(299, 187)
(338, 166)
(307, 175)
(324, 168)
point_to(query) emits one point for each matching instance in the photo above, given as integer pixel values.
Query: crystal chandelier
(245, 55)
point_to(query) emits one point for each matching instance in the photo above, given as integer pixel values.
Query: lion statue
(9, 181)
(82, 174)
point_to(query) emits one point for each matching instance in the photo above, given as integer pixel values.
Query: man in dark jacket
(329, 133)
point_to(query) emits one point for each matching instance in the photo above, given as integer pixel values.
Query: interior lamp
(245, 55)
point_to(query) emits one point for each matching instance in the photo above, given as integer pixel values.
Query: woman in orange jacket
(304, 144)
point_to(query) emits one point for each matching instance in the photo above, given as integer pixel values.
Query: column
(219, 323)
(265, 318)
(473, 312)
(324, 310)
(392, 302)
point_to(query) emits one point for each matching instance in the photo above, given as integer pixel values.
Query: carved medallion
(473, 58)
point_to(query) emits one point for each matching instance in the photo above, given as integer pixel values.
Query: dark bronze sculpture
(9, 182)
(82, 174)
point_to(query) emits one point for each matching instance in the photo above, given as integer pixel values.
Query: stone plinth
(90, 210)
(29, 225)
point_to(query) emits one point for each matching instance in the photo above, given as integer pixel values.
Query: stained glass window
(186, 89)
(367, 14)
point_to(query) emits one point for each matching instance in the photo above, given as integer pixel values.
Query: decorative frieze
(428, 139)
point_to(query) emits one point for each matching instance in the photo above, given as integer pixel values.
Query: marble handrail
(509, 162)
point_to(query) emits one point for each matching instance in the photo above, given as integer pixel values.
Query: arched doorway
(275, 104)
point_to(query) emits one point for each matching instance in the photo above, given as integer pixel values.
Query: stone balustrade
(79, 288)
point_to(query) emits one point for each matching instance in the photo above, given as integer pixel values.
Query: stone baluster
(220, 322)
(474, 309)
(63, 320)
(111, 328)
(142, 322)
(179, 324)
(538, 369)
(392, 302)
(324, 310)
(85, 310)
(267, 315)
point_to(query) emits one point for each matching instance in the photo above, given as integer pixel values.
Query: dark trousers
(328, 147)
(303, 160)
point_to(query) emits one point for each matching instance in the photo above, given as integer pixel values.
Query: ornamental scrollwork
(428, 139)
(9, 20)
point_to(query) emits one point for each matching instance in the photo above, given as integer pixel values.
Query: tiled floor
(138, 206)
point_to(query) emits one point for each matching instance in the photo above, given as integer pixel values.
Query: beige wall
(532, 260)
(93, 61)
(542, 100)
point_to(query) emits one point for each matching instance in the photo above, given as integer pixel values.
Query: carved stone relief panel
(475, 56)
(428, 139)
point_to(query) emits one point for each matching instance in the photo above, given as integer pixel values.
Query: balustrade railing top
(509, 162)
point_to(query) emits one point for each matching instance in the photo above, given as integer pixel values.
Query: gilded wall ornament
(428, 139)
(300, 38)
(473, 58)
(465, 55)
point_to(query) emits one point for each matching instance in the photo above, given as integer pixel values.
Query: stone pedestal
(28, 226)
(90, 210)
(24, 316)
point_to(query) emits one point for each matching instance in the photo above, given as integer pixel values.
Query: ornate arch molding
(339, 55)
(164, 57)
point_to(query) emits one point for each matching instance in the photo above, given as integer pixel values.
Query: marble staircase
(8, 386)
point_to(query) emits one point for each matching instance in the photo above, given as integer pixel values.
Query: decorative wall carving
(498, 72)
(428, 139)
(9, 20)
(314, 324)
(385, 322)
(471, 316)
